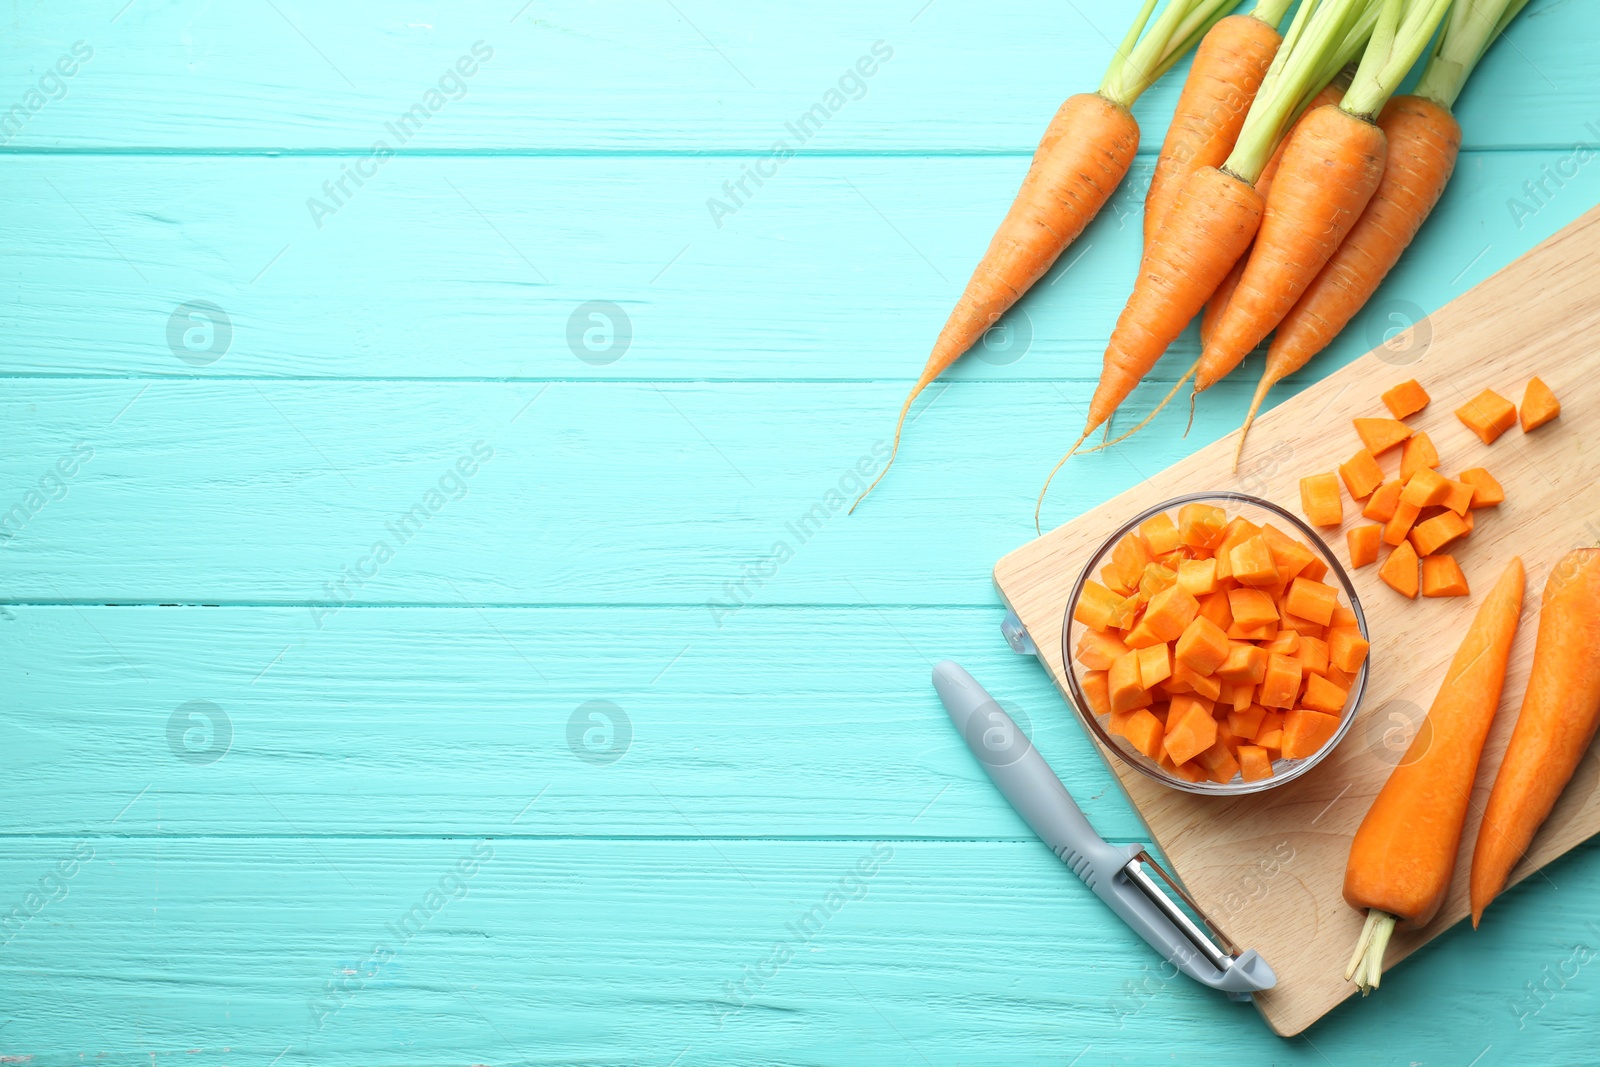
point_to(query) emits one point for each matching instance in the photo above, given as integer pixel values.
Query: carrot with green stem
(1560, 711)
(1215, 214)
(1424, 140)
(1084, 154)
(1404, 852)
(1330, 169)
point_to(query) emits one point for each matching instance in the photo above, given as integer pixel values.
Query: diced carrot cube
(1313, 655)
(1245, 663)
(1169, 611)
(1270, 735)
(1251, 563)
(1342, 616)
(1155, 578)
(1144, 732)
(1254, 763)
(1200, 525)
(1098, 649)
(1245, 722)
(1323, 695)
(1291, 555)
(1097, 692)
(1287, 643)
(1155, 664)
(1429, 536)
(1426, 488)
(1319, 499)
(1190, 729)
(1488, 415)
(1251, 607)
(1305, 731)
(1486, 492)
(1128, 560)
(1363, 543)
(1303, 627)
(1381, 504)
(1126, 613)
(1160, 533)
(1417, 454)
(1282, 682)
(1343, 679)
(1469, 521)
(1459, 498)
(1214, 606)
(1399, 571)
(1405, 399)
(1347, 649)
(1264, 631)
(1198, 577)
(1095, 606)
(1380, 435)
(1205, 685)
(1202, 647)
(1188, 771)
(1441, 576)
(1242, 696)
(1219, 763)
(1311, 600)
(1539, 405)
(1316, 570)
(1395, 530)
(1361, 475)
(1125, 684)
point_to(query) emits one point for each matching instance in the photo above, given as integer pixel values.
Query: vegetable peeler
(1120, 875)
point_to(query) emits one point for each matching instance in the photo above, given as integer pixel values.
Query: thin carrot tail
(1265, 384)
(899, 427)
(1147, 419)
(1039, 504)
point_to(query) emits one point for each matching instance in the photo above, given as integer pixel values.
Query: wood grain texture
(1524, 321)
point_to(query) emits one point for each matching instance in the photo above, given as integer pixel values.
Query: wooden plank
(1526, 320)
(873, 252)
(705, 76)
(220, 951)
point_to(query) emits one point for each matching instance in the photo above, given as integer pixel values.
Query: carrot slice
(1319, 499)
(1361, 474)
(1311, 600)
(1254, 763)
(1396, 529)
(1160, 533)
(1201, 525)
(1323, 695)
(1282, 682)
(1347, 649)
(1486, 492)
(1488, 415)
(1416, 453)
(1380, 435)
(1098, 649)
(1125, 684)
(1459, 498)
(1144, 732)
(1155, 664)
(1198, 577)
(1399, 571)
(1539, 405)
(1363, 543)
(1246, 721)
(1406, 399)
(1433, 534)
(1097, 692)
(1190, 729)
(1305, 731)
(1202, 647)
(1251, 563)
(1441, 576)
(1380, 506)
(1425, 488)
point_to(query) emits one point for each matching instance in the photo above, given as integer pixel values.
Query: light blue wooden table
(429, 632)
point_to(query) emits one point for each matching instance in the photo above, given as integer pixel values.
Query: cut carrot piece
(1098, 649)
(1292, 557)
(1198, 577)
(1252, 608)
(1417, 453)
(1214, 606)
(1405, 399)
(1190, 729)
(1399, 571)
(1251, 563)
(1254, 763)
(1459, 498)
(1311, 600)
(1380, 435)
(1433, 534)
(1265, 631)
(1347, 649)
(1363, 542)
(1488, 415)
(1095, 606)
(1155, 664)
(1200, 525)
(1425, 488)
(1323, 695)
(1144, 732)
(1380, 506)
(1361, 474)
(1246, 722)
(1313, 656)
(1124, 682)
(1245, 664)
(1155, 578)
(1303, 627)
(1342, 617)
(1160, 533)
(1168, 613)
(1219, 763)
(1287, 643)
(1202, 647)
(1539, 405)
(1304, 732)
(1097, 692)
(1242, 695)
(1282, 682)
(1486, 492)
(1187, 678)
(1126, 612)
(1343, 679)
(1316, 570)
(1395, 530)
(1270, 735)
(1319, 499)
(1441, 576)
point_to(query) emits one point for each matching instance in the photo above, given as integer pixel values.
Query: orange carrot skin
(1560, 712)
(1424, 140)
(1329, 171)
(1405, 850)
(1208, 228)
(1227, 70)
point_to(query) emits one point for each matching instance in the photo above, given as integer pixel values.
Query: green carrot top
(1473, 26)
(1138, 63)
(1403, 30)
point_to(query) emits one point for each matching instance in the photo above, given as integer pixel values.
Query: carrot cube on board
(1254, 763)
(1282, 682)
(1246, 721)
(1380, 435)
(1245, 664)
(1361, 475)
(1405, 399)
(1488, 415)
(1539, 405)
(1441, 576)
(1124, 683)
(1252, 608)
(1095, 606)
(1486, 492)
(1323, 695)
(1250, 563)
(1381, 504)
(1459, 498)
(1395, 530)
(1347, 649)
(1144, 732)
(1417, 454)
(1204, 685)
(1426, 488)
(1433, 534)
(1190, 729)
(1200, 525)
(1155, 664)
(1399, 571)
(1097, 691)
(1319, 499)
(1160, 533)
(1198, 577)
(1311, 600)
(1313, 656)
(1202, 647)
(1305, 731)
(1098, 649)
(1363, 543)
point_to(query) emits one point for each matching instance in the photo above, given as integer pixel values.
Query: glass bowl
(1257, 511)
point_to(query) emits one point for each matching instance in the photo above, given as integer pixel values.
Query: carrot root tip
(1039, 504)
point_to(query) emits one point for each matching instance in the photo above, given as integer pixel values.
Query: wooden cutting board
(1268, 868)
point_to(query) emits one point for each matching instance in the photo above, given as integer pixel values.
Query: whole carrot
(1227, 70)
(1405, 849)
(1083, 156)
(1560, 712)
(1424, 139)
